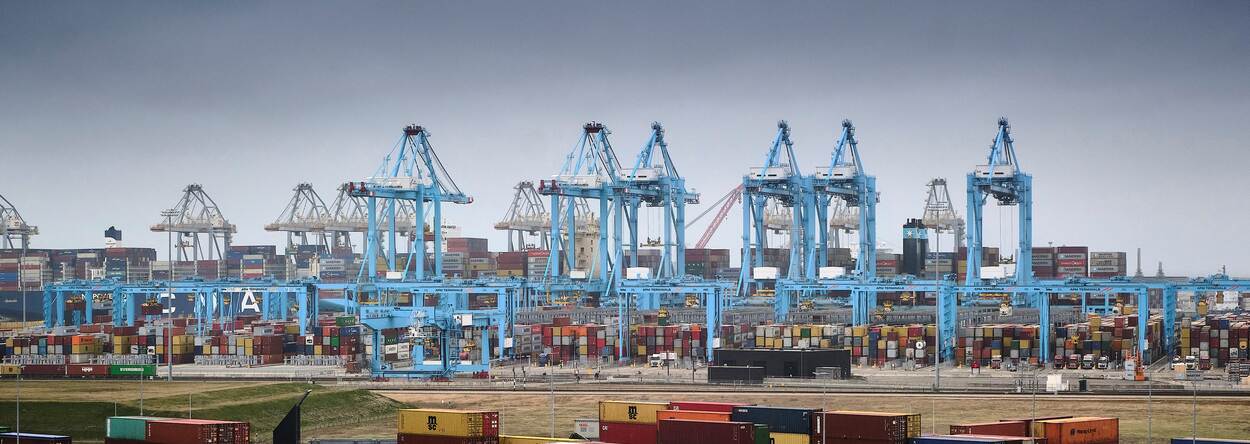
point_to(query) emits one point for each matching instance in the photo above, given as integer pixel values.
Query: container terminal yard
(377, 308)
(623, 306)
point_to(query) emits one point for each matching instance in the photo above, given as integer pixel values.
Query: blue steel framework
(214, 301)
(781, 180)
(845, 179)
(591, 171)
(411, 173)
(418, 176)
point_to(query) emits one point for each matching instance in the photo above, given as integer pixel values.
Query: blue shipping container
(778, 419)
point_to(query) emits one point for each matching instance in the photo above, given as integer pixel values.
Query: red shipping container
(406, 438)
(1001, 428)
(191, 431)
(627, 433)
(858, 427)
(43, 370)
(87, 370)
(12, 438)
(682, 431)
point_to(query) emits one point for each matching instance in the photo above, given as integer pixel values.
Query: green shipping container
(133, 370)
(334, 341)
(128, 427)
(345, 321)
(761, 434)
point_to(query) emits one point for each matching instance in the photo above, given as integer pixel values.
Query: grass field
(79, 408)
(530, 413)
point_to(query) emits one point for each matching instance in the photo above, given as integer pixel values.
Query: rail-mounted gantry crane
(196, 215)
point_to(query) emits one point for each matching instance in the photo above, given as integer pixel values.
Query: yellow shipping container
(10, 369)
(630, 412)
(506, 439)
(440, 422)
(789, 438)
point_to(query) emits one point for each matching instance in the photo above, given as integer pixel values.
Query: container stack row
(1216, 340)
(1112, 337)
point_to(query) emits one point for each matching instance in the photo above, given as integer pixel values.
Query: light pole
(1195, 414)
(551, 384)
(18, 426)
(20, 284)
(169, 256)
(1149, 408)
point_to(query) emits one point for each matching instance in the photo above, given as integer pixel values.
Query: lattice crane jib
(722, 207)
(194, 215)
(14, 231)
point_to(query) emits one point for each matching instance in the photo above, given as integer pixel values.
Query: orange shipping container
(1087, 430)
(692, 415)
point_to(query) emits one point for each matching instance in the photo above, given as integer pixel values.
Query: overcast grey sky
(1130, 115)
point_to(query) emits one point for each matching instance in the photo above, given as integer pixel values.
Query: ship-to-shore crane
(14, 231)
(305, 216)
(194, 215)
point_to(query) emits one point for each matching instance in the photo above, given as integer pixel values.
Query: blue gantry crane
(591, 172)
(412, 173)
(412, 176)
(1002, 179)
(779, 179)
(846, 180)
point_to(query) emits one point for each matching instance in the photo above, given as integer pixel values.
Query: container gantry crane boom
(14, 231)
(305, 214)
